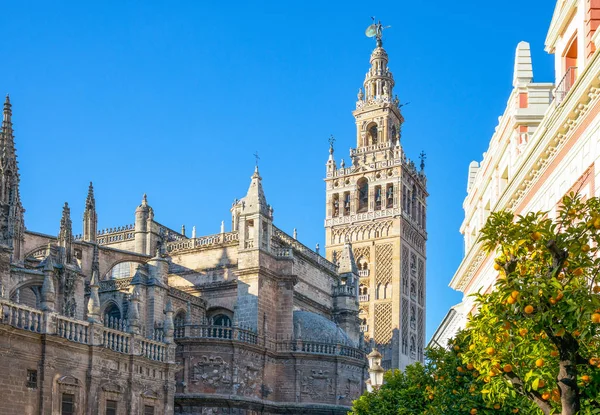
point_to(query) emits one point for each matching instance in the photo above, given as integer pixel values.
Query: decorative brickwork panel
(405, 276)
(404, 326)
(362, 252)
(421, 281)
(383, 263)
(383, 322)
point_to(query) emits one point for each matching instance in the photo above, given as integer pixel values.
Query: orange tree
(457, 387)
(537, 333)
(403, 393)
(444, 385)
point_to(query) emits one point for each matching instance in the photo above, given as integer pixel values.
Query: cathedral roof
(312, 327)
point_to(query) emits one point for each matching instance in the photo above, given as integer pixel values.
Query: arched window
(394, 138)
(335, 205)
(221, 320)
(363, 195)
(372, 135)
(389, 196)
(179, 319)
(378, 294)
(112, 316)
(378, 198)
(29, 296)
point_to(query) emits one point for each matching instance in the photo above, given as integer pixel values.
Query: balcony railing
(565, 85)
(363, 272)
(364, 297)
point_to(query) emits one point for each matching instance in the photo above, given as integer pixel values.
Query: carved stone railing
(344, 290)
(153, 350)
(71, 329)
(114, 235)
(115, 285)
(334, 349)
(363, 272)
(115, 338)
(202, 242)
(364, 297)
(210, 331)
(284, 252)
(21, 317)
(357, 217)
(308, 253)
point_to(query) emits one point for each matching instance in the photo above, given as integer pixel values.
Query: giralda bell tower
(378, 204)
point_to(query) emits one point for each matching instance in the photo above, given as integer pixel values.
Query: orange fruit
(511, 300)
(497, 266)
(536, 236)
(597, 223)
(554, 353)
(596, 318)
(560, 332)
(585, 248)
(585, 378)
(546, 396)
(529, 309)
(560, 276)
(597, 289)
(515, 411)
(523, 332)
(552, 300)
(539, 362)
(472, 347)
(578, 272)
(490, 350)
(507, 368)
(559, 296)
(473, 411)
(514, 294)
(541, 383)
(470, 366)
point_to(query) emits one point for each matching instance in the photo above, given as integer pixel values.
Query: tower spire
(11, 224)
(90, 218)
(65, 234)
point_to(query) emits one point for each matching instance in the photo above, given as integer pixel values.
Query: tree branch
(532, 395)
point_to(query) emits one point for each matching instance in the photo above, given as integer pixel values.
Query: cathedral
(144, 319)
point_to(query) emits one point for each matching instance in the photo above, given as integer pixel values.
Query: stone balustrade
(111, 336)
(71, 329)
(344, 290)
(202, 242)
(308, 253)
(363, 272)
(211, 332)
(115, 235)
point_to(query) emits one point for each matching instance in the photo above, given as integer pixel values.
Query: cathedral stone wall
(92, 374)
(242, 376)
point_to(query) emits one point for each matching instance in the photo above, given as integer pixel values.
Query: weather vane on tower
(376, 31)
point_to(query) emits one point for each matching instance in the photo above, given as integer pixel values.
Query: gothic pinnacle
(7, 110)
(90, 196)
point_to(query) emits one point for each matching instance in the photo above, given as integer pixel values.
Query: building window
(378, 201)
(31, 378)
(363, 195)
(67, 405)
(346, 203)
(111, 407)
(148, 410)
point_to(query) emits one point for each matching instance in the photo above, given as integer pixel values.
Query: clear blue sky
(172, 98)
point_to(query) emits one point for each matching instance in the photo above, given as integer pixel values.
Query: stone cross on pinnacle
(422, 157)
(257, 158)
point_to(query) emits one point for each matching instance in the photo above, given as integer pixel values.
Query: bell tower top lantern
(377, 113)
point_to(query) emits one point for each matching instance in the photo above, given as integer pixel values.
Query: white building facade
(546, 144)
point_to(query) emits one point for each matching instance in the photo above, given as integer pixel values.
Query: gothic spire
(255, 200)
(65, 234)
(11, 224)
(90, 218)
